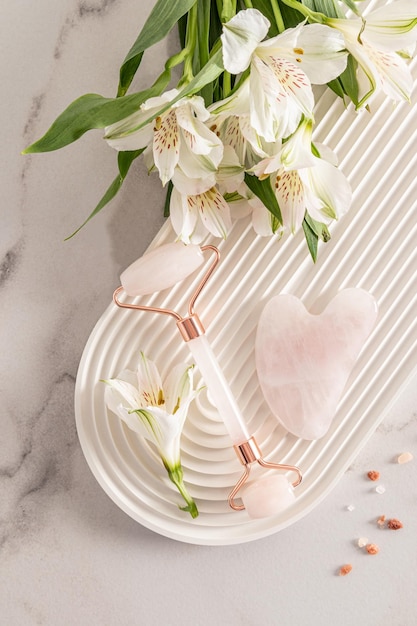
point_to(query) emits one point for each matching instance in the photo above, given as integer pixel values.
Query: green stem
(248, 4)
(176, 475)
(278, 16)
(312, 16)
(190, 45)
(227, 84)
(228, 10)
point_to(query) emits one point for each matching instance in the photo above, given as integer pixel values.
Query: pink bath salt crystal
(405, 457)
(303, 360)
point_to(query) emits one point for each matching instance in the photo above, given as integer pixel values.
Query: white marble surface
(68, 554)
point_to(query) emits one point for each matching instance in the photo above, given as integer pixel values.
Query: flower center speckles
(288, 75)
(190, 138)
(289, 184)
(166, 133)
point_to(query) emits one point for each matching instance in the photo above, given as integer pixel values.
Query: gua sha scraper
(264, 496)
(303, 361)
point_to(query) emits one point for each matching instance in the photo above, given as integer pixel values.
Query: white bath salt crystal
(350, 507)
(405, 457)
(380, 489)
(362, 541)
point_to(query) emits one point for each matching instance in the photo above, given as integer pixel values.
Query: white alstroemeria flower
(302, 181)
(375, 42)
(193, 215)
(156, 411)
(179, 137)
(281, 68)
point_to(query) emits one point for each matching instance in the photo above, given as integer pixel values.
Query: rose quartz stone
(161, 268)
(303, 361)
(267, 496)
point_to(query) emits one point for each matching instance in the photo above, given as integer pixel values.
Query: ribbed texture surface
(373, 247)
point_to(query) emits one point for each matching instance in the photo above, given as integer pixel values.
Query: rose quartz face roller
(266, 495)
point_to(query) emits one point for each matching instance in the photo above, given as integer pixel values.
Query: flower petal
(166, 147)
(320, 52)
(214, 212)
(268, 103)
(241, 35)
(257, 146)
(232, 137)
(149, 383)
(392, 27)
(168, 435)
(179, 389)
(200, 138)
(196, 164)
(294, 83)
(189, 186)
(394, 74)
(185, 218)
(262, 219)
(114, 403)
(124, 393)
(296, 151)
(330, 187)
(289, 191)
(230, 174)
(157, 102)
(117, 139)
(276, 108)
(235, 104)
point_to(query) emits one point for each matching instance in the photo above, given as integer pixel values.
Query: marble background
(68, 554)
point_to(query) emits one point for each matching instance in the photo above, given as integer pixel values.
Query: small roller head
(267, 496)
(161, 268)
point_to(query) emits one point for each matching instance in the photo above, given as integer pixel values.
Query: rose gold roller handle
(262, 497)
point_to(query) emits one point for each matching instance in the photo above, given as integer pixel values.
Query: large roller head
(267, 496)
(161, 268)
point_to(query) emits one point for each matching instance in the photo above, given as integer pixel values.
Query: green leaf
(125, 160)
(318, 228)
(349, 80)
(170, 187)
(291, 16)
(351, 4)
(264, 6)
(163, 17)
(264, 191)
(336, 86)
(182, 30)
(208, 74)
(328, 7)
(347, 83)
(216, 26)
(311, 239)
(88, 112)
